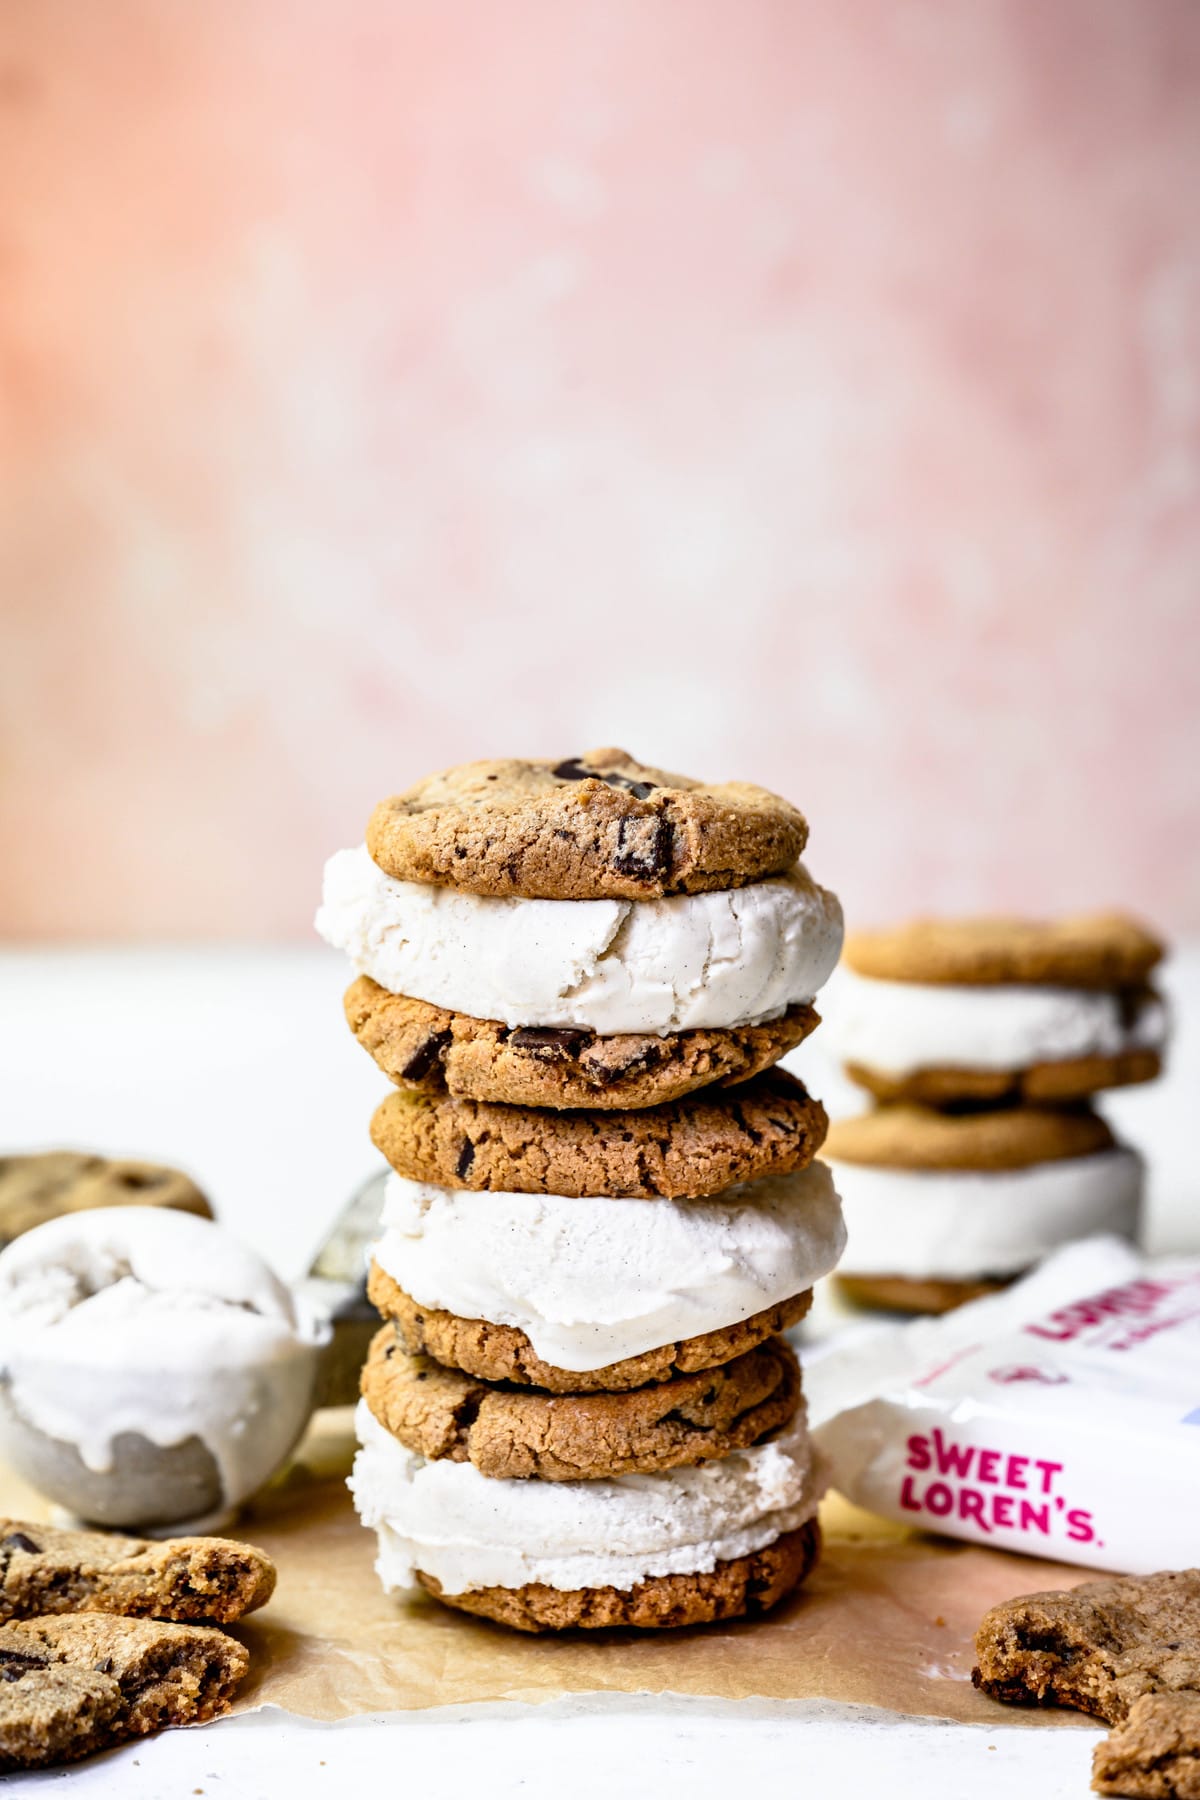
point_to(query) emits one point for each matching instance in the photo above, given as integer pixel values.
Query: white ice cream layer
(591, 1281)
(734, 957)
(960, 1224)
(899, 1027)
(469, 1531)
(128, 1319)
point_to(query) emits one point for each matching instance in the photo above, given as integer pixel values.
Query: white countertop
(236, 1065)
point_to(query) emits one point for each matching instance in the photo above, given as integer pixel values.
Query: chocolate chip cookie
(1075, 1078)
(504, 1352)
(42, 1185)
(904, 1136)
(75, 1684)
(1155, 1753)
(744, 1587)
(583, 828)
(512, 1433)
(47, 1570)
(1093, 950)
(907, 1294)
(433, 1051)
(682, 1150)
(1098, 1647)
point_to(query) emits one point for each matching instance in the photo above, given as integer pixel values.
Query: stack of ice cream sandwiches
(982, 1043)
(603, 1206)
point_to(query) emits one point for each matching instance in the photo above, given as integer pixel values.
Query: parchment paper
(886, 1619)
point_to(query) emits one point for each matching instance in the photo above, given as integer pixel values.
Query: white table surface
(236, 1065)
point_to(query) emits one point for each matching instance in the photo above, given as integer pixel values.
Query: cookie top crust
(596, 826)
(1098, 1647)
(53, 1714)
(44, 1184)
(1091, 950)
(908, 1136)
(435, 1051)
(511, 1433)
(47, 1570)
(683, 1150)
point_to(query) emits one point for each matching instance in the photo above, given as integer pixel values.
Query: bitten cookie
(583, 828)
(1098, 1647)
(513, 1433)
(920, 1137)
(504, 1352)
(45, 1570)
(1093, 950)
(74, 1684)
(434, 1051)
(683, 1150)
(744, 1587)
(1155, 1754)
(43, 1185)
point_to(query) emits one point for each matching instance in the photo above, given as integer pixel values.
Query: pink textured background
(805, 393)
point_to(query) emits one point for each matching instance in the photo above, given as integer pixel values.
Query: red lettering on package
(993, 1490)
(1133, 1301)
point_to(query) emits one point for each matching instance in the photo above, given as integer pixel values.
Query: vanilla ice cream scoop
(153, 1371)
(713, 961)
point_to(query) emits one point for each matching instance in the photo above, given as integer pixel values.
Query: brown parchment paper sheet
(887, 1619)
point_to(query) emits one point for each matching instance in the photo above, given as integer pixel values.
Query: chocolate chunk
(604, 1067)
(551, 1043)
(15, 1663)
(574, 770)
(751, 1131)
(17, 1540)
(644, 848)
(1131, 1003)
(466, 1157)
(425, 1057)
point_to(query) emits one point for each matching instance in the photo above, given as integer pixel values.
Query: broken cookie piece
(1099, 1647)
(45, 1570)
(1155, 1754)
(52, 1715)
(75, 1684)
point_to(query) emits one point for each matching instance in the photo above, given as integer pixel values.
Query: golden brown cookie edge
(743, 1587)
(1046, 1083)
(432, 1050)
(515, 1433)
(1087, 950)
(912, 1136)
(688, 1149)
(504, 1353)
(910, 1294)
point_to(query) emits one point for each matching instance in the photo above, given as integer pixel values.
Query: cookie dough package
(1060, 1418)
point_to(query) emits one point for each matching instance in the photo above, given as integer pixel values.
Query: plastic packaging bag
(1060, 1418)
